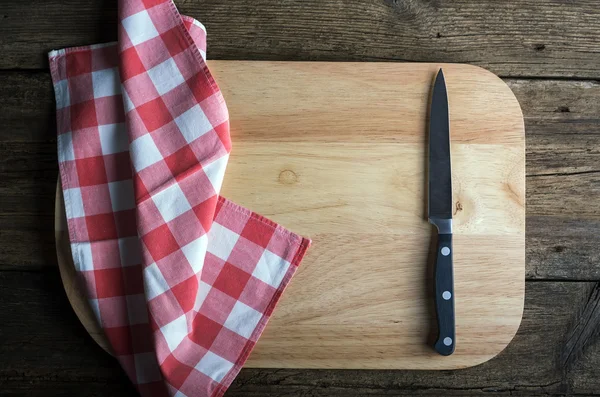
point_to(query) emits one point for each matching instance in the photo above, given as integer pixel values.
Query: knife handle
(444, 295)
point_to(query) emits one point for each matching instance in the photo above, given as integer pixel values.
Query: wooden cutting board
(337, 152)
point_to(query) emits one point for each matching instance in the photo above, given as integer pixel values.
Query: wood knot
(288, 177)
(458, 208)
(539, 47)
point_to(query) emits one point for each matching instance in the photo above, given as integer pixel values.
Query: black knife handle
(444, 295)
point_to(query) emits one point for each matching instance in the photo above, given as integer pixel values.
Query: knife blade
(440, 214)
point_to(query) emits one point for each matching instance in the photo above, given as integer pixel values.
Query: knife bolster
(444, 226)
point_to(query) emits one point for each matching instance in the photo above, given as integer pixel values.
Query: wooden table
(548, 52)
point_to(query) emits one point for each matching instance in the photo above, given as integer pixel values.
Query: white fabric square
(175, 331)
(166, 76)
(136, 309)
(83, 259)
(65, 147)
(195, 253)
(130, 251)
(215, 172)
(121, 195)
(129, 106)
(146, 368)
(214, 366)
(139, 27)
(74, 203)
(96, 309)
(144, 152)
(222, 241)
(106, 83)
(154, 282)
(61, 93)
(171, 202)
(203, 290)
(179, 394)
(193, 123)
(243, 319)
(271, 268)
(113, 138)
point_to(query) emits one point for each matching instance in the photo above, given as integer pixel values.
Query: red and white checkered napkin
(182, 281)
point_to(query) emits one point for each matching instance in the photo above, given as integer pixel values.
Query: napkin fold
(181, 280)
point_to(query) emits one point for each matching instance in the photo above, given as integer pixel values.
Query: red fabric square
(113, 310)
(118, 166)
(152, 389)
(229, 345)
(125, 222)
(101, 227)
(78, 228)
(257, 294)
(164, 308)
(185, 292)
(133, 279)
(131, 64)
(217, 305)
(181, 160)
(231, 280)
(79, 62)
(105, 254)
(168, 139)
(204, 331)
(258, 232)
(109, 283)
(110, 110)
(223, 134)
(174, 41)
(81, 88)
(245, 255)
(120, 340)
(152, 3)
(212, 268)
(86, 143)
(175, 371)
(141, 337)
(205, 211)
(63, 120)
(186, 228)
(199, 384)
(154, 114)
(160, 242)
(91, 171)
(96, 199)
(200, 86)
(83, 115)
(105, 57)
(139, 187)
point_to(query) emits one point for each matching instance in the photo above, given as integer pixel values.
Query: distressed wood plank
(48, 351)
(516, 38)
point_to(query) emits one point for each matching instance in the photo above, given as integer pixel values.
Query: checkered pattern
(182, 281)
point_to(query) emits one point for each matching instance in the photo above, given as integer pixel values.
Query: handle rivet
(447, 341)
(445, 251)
(446, 295)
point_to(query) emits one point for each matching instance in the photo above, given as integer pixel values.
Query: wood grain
(511, 38)
(360, 299)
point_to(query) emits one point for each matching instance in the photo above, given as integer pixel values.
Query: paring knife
(440, 214)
